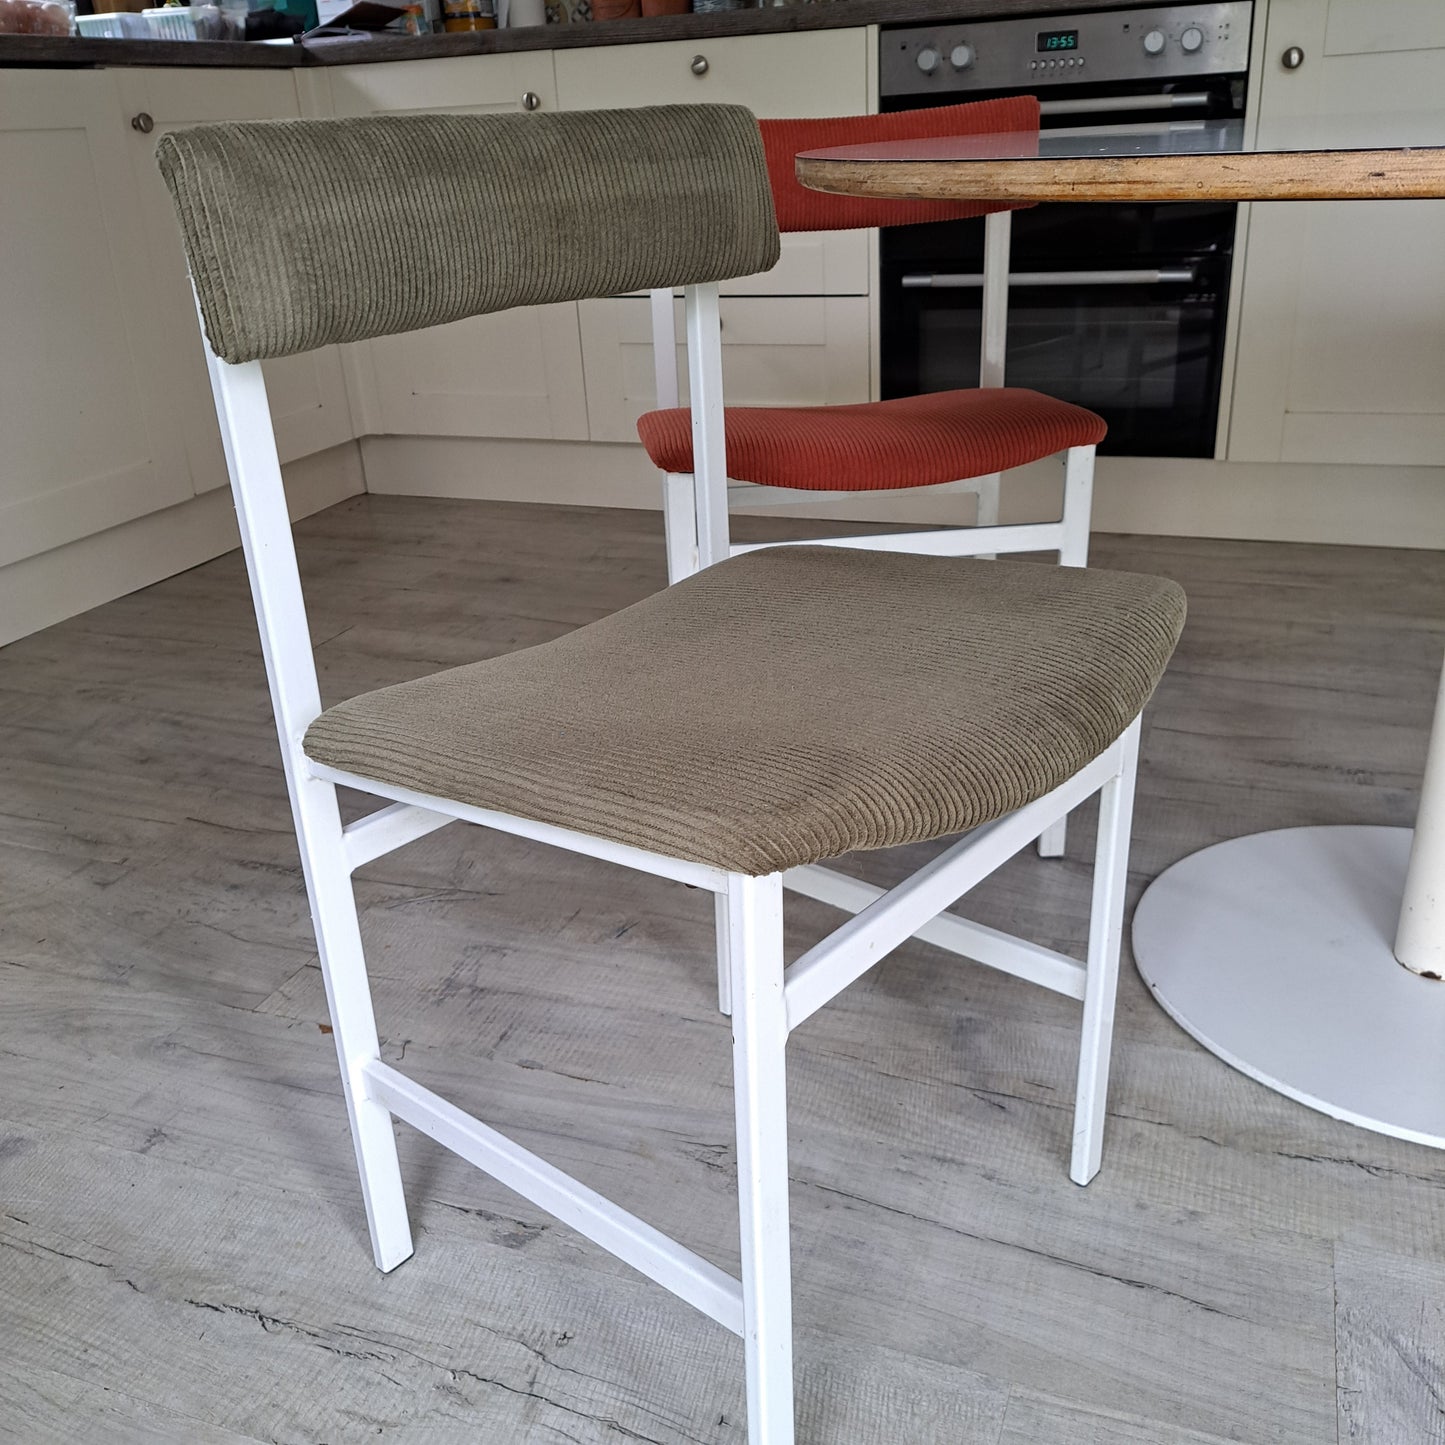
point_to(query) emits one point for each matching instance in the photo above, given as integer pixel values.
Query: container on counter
(185, 22)
(37, 17)
(461, 15)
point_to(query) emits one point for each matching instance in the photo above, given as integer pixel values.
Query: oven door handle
(1099, 104)
(965, 280)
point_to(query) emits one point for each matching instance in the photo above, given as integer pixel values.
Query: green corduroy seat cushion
(305, 233)
(786, 706)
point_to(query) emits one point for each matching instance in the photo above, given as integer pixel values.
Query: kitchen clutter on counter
(37, 17)
(299, 19)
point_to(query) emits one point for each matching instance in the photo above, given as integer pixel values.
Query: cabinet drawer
(461, 83)
(1383, 26)
(789, 351)
(814, 74)
(822, 72)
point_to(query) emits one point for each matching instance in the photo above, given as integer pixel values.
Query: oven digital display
(1058, 40)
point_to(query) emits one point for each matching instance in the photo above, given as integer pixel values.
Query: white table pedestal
(1275, 952)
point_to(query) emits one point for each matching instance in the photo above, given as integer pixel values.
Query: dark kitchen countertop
(29, 50)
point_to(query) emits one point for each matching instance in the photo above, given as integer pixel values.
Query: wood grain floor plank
(162, 1057)
(1390, 1313)
(43, 1407)
(264, 1293)
(1033, 1420)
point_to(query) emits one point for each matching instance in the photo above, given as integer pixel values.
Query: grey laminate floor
(182, 1251)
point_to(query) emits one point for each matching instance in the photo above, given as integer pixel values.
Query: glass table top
(1401, 133)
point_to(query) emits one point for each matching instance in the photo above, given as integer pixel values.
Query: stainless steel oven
(1118, 307)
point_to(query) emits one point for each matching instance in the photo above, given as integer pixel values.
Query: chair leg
(760, 1035)
(1078, 505)
(724, 955)
(988, 491)
(1106, 927)
(679, 521)
(353, 1023)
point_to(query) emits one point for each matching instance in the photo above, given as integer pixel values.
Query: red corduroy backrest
(800, 209)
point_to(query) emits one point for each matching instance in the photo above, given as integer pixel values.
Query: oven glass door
(1120, 309)
(1127, 316)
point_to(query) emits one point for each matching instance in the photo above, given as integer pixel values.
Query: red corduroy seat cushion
(915, 441)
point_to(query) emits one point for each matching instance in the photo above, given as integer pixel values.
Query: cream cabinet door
(816, 73)
(90, 429)
(515, 374)
(777, 351)
(1342, 318)
(307, 393)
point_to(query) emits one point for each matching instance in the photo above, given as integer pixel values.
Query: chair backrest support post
(997, 238)
(705, 398)
(249, 442)
(664, 349)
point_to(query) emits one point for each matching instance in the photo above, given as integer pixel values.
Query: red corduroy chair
(958, 441)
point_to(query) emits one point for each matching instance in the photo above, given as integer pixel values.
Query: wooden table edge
(1393, 174)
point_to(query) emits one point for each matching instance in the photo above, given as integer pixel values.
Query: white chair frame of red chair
(768, 1002)
(695, 509)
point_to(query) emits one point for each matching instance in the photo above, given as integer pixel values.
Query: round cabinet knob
(1154, 43)
(1293, 58)
(928, 59)
(961, 57)
(143, 123)
(531, 100)
(699, 65)
(1191, 40)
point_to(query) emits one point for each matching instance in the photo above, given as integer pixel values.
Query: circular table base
(1274, 952)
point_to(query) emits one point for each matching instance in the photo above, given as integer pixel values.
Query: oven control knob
(928, 59)
(961, 57)
(1192, 39)
(1154, 43)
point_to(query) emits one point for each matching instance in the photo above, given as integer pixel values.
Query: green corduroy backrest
(305, 233)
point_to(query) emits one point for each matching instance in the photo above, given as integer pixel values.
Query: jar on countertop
(37, 17)
(462, 15)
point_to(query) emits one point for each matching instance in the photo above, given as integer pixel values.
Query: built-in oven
(1118, 307)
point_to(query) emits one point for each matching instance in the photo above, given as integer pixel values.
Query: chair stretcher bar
(634, 1241)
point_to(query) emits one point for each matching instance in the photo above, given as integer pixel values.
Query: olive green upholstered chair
(770, 712)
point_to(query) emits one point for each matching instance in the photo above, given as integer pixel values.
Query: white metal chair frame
(695, 510)
(767, 1001)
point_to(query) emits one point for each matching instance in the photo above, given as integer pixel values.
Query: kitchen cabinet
(1341, 352)
(307, 393)
(810, 341)
(819, 73)
(517, 374)
(777, 351)
(104, 403)
(90, 430)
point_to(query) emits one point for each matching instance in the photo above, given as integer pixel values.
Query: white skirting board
(1366, 506)
(1172, 497)
(40, 591)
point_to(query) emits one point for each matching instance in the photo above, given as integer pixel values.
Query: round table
(1280, 952)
